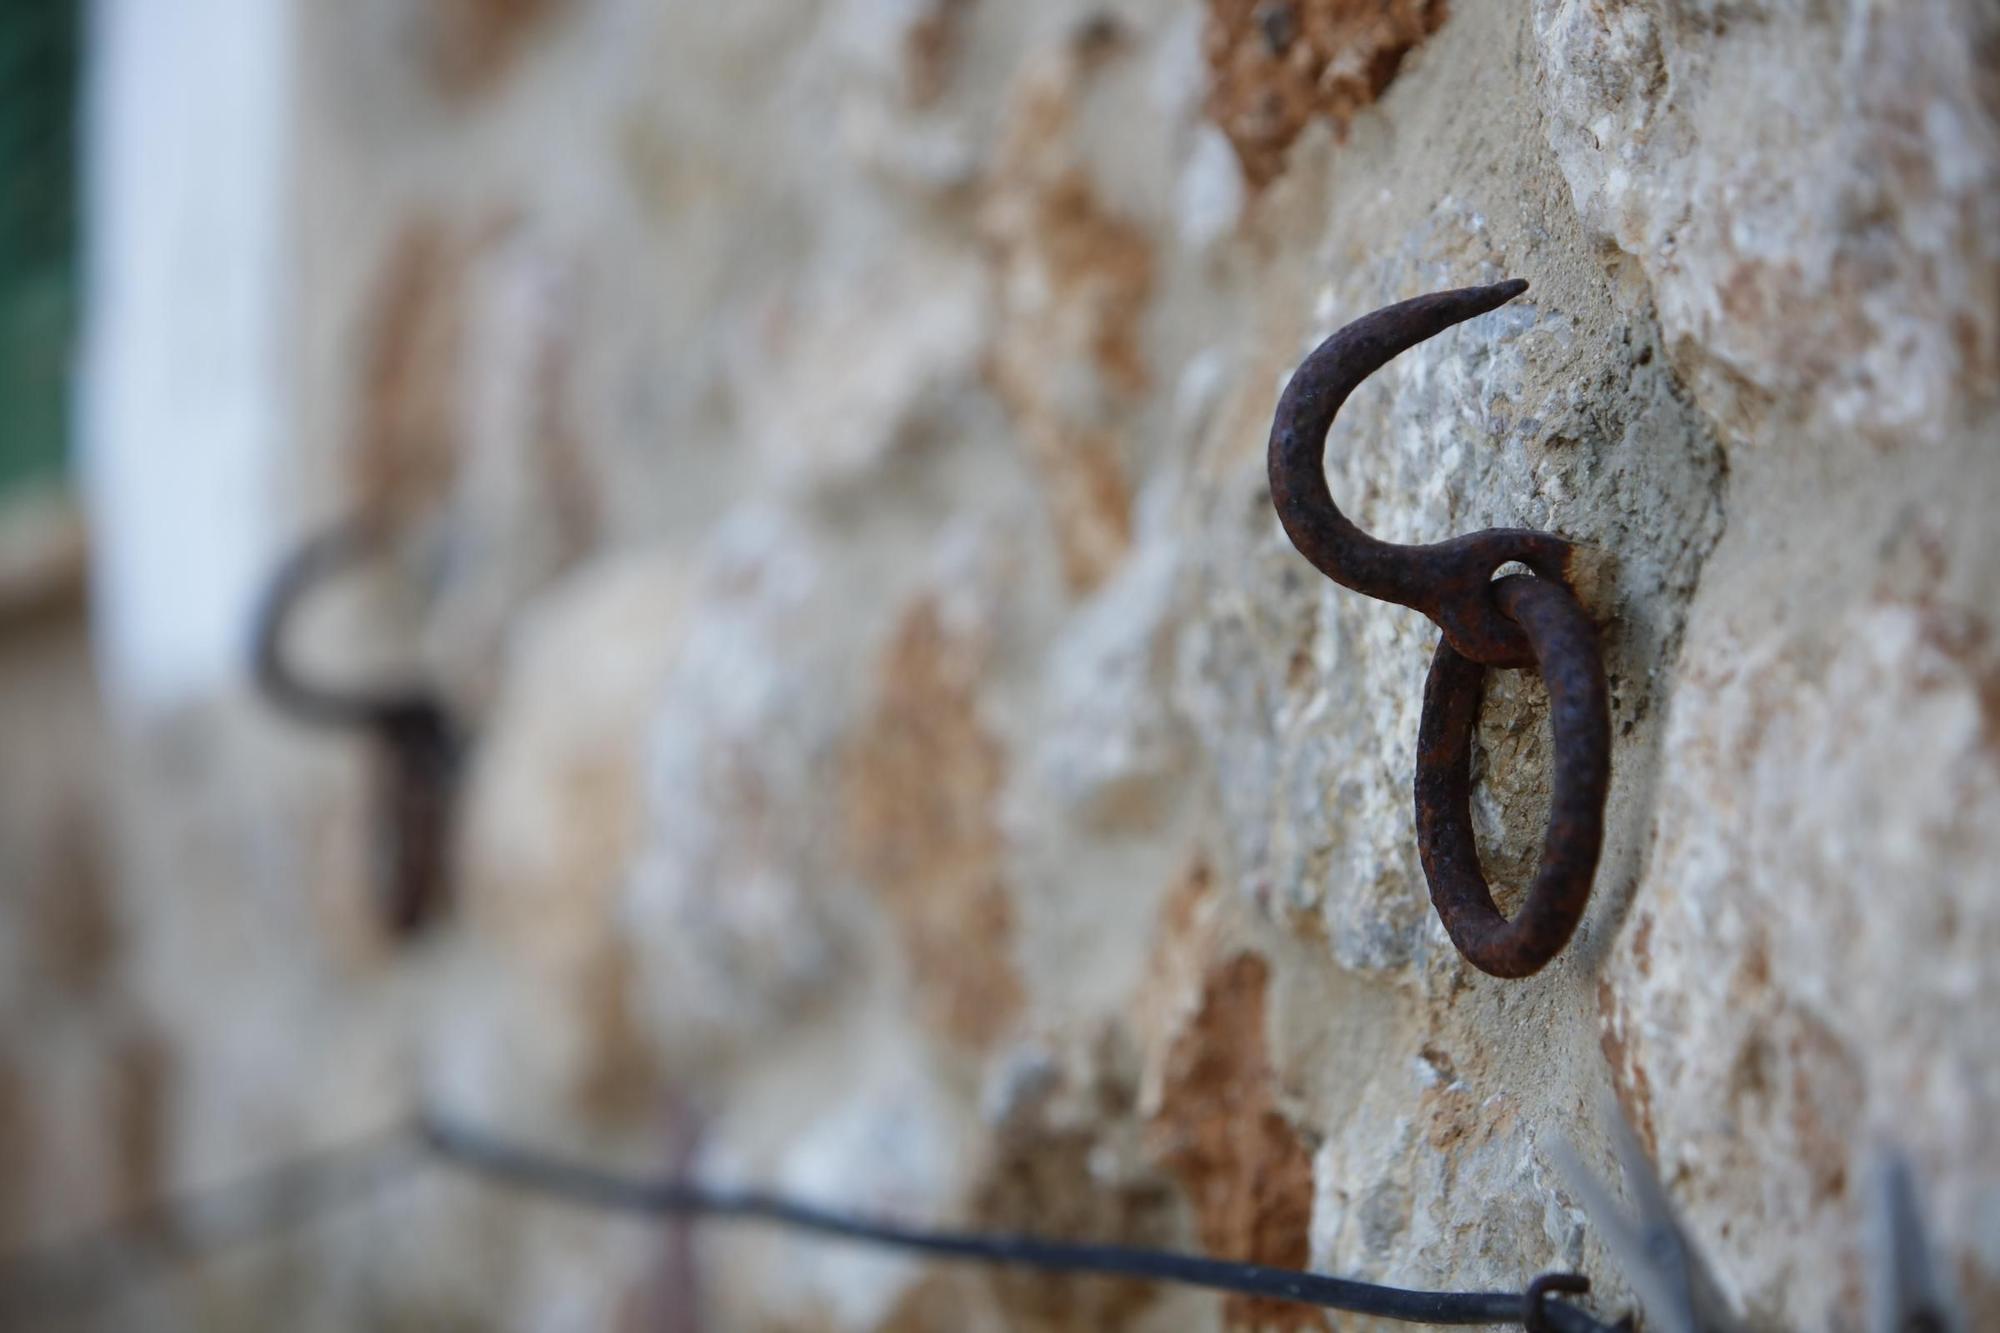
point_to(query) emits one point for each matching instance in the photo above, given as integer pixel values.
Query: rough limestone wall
(80, 1068)
(915, 770)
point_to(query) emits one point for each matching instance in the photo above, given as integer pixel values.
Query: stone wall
(824, 443)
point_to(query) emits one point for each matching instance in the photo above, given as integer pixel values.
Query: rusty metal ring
(1447, 581)
(1564, 644)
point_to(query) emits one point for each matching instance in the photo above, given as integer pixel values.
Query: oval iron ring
(1564, 644)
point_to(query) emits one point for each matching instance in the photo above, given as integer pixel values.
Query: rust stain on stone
(932, 45)
(1183, 942)
(934, 1303)
(1275, 65)
(575, 504)
(1452, 1122)
(71, 913)
(1219, 1131)
(921, 784)
(19, 1151)
(142, 1083)
(1041, 1182)
(1456, 1121)
(1073, 281)
(1628, 1077)
(622, 1077)
(1828, 1090)
(475, 43)
(409, 432)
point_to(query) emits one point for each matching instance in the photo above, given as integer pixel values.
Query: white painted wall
(182, 392)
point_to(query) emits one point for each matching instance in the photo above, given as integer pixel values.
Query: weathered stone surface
(1810, 191)
(83, 1086)
(1279, 64)
(409, 434)
(1246, 1170)
(921, 782)
(1769, 1089)
(474, 43)
(553, 822)
(829, 441)
(1071, 281)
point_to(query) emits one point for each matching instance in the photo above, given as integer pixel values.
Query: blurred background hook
(420, 746)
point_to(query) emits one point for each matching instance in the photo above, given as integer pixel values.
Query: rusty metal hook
(421, 746)
(1446, 581)
(1508, 622)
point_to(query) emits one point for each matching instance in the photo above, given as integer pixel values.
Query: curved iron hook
(422, 746)
(1447, 581)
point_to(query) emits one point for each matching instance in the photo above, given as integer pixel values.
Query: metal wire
(183, 1227)
(588, 1186)
(180, 1228)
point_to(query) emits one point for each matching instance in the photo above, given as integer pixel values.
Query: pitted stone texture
(85, 1081)
(1752, 1022)
(554, 817)
(1276, 65)
(921, 781)
(1072, 282)
(474, 44)
(889, 1140)
(524, 504)
(1020, 830)
(408, 435)
(1813, 193)
(1112, 750)
(834, 382)
(1218, 1129)
(1067, 1158)
(730, 889)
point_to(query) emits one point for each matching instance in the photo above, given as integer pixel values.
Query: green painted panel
(40, 51)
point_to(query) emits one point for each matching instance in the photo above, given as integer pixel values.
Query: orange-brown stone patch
(931, 48)
(409, 431)
(1219, 1130)
(18, 1152)
(921, 785)
(575, 504)
(1073, 280)
(1628, 1076)
(622, 1078)
(1183, 942)
(68, 900)
(1275, 65)
(1828, 1090)
(142, 1082)
(476, 42)
(1042, 1183)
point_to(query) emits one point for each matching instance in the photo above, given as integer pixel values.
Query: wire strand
(188, 1225)
(545, 1174)
(195, 1224)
